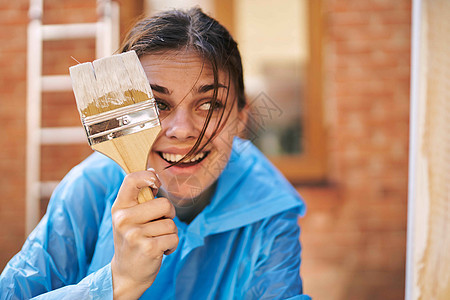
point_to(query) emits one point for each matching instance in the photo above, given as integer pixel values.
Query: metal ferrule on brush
(121, 121)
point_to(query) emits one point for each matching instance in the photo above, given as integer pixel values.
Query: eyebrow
(209, 87)
(160, 89)
(202, 89)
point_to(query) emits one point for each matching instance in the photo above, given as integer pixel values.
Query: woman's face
(183, 88)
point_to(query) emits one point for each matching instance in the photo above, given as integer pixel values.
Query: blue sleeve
(276, 261)
(96, 286)
(58, 252)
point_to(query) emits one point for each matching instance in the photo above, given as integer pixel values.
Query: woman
(224, 223)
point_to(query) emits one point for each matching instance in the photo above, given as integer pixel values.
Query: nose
(179, 124)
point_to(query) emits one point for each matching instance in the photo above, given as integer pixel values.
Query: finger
(158, 208)
(131, 185)
(159, 227)
(167, 243)
(154, 182)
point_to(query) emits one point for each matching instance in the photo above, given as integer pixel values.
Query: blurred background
(328, 84)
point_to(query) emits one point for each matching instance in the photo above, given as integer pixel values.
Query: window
(280, 43)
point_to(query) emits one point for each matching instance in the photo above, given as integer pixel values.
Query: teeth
(176, 157)
(198, 156)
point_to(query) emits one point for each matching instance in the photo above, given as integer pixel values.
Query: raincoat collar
(249, 189)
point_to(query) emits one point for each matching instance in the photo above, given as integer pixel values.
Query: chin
(182, 188)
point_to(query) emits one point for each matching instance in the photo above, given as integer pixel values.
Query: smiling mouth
(173, 158)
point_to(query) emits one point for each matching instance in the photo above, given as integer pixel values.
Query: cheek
(223, 144)
(230, 130)
(152, 162)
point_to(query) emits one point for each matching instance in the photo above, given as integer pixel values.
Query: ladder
(106, 34)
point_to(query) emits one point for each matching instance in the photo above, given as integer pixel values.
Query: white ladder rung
(63, 135)
(69, 31)
(46, 188)
(56, 83)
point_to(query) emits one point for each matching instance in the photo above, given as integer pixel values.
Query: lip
(173, 150)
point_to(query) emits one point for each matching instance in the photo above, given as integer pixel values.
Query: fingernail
(151, 183)
(151, 169)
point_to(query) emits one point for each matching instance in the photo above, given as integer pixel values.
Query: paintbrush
(117, 110)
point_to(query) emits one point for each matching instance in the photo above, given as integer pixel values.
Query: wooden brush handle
(145, 195)
(131, 153)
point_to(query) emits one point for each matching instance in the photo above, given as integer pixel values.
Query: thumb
(132, 185)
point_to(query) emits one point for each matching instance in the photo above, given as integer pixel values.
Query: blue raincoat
(243, 245)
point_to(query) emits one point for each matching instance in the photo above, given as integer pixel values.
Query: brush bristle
(137, 75)
(84, 86)
(109, 83)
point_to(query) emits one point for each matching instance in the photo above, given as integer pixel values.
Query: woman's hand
(142, 234)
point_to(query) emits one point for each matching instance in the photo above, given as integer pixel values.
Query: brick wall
(13, 20)
(355, 231)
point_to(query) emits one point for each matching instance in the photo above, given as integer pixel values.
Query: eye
(207, 106)
(162, 106)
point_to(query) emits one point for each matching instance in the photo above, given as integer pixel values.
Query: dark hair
(194, 30)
